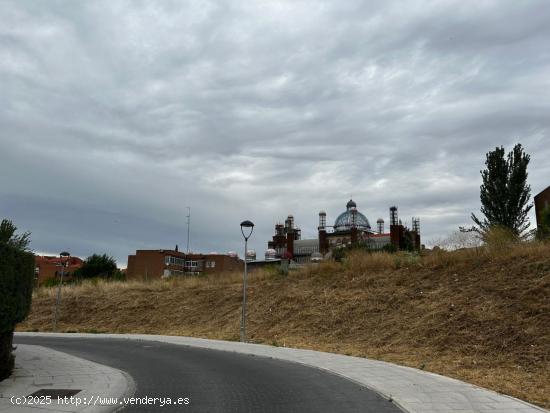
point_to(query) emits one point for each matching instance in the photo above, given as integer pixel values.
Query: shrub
(102, 266)
(459, 240)
(16, 280)
(499, 239)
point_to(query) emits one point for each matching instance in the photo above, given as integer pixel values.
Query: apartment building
(151, 264)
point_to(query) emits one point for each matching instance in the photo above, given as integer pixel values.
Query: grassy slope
(475, 315)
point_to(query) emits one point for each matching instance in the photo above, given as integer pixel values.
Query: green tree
(8, 236)
(96, 265)
(504, 192)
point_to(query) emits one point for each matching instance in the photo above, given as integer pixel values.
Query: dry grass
(99, 286)
(480, 315)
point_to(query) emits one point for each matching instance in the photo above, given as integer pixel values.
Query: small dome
(351, 204)
(270, 254)
(232, 254)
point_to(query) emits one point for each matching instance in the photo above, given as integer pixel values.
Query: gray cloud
(115, 116)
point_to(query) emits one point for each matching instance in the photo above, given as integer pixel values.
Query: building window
(169, 260)
(210, 264)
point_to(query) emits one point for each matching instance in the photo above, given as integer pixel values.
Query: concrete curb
(413, 390)
(38, 368)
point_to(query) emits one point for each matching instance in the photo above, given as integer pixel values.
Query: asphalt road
(217, 381)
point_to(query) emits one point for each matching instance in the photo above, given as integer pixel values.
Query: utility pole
(188, 225)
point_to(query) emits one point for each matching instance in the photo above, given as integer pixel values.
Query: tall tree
(504, 192)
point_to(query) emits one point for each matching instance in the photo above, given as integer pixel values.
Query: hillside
(477, 315)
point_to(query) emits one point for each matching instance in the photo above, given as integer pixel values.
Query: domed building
(351, 218)
(351, 227)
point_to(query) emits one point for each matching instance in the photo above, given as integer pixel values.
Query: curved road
(217, 381)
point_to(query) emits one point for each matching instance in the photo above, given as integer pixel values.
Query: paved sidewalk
(415, 391)
(42, 369)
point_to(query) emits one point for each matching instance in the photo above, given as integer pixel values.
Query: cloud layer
(116, 116)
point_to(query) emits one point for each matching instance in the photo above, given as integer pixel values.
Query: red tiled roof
(74, 262)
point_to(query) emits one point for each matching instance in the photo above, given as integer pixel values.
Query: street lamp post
(249, 226)
(58, 300)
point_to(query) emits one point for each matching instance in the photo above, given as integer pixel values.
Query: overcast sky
(117, 115)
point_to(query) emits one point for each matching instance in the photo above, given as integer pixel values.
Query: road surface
(217, 381)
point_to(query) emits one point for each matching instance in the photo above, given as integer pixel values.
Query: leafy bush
(102, 266)
(16, 281)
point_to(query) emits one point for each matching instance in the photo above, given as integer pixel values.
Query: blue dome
(351, 216)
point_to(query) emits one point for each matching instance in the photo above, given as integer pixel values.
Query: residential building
(49, 267)
(151, 264)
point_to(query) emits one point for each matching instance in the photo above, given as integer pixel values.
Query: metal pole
(58, 301)
(245, 275)
(188, 225)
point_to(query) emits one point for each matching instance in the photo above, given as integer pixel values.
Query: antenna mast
(188, 225)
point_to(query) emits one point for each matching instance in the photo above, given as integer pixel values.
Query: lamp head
(65, 255)
(249, 225)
